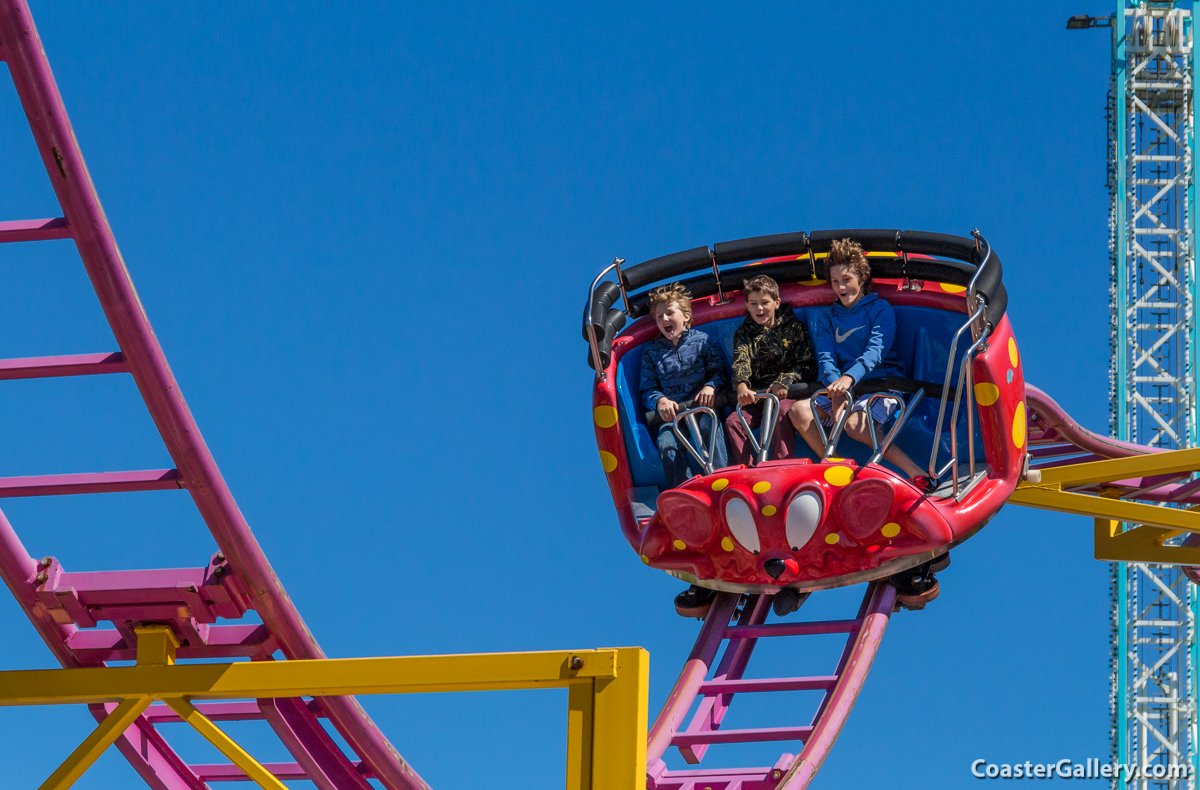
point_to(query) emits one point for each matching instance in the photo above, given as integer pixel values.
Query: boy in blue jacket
(681, 364)
(853, 340)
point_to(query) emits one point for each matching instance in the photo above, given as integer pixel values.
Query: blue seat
(922, 342)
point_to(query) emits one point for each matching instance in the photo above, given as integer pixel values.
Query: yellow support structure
(94, 745)
(1157, 523)
(236, 754)
(607, 697)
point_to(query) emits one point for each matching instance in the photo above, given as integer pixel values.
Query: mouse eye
(741, 523)
(803, 518)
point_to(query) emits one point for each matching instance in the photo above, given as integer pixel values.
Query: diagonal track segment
(65, 608)
(740, 622)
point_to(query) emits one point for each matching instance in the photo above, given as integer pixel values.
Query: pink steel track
(64, 606)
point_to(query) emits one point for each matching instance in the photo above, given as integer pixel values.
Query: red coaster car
(814, 523)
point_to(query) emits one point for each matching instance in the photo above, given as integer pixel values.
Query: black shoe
(787, 601)
(925, 484)
(694, 601)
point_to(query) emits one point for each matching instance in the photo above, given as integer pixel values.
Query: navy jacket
(679, 372)
(856, 342)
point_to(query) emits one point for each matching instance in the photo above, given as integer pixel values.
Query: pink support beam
(93, 483)
(50, 367)
(34, 230)
(22, 50)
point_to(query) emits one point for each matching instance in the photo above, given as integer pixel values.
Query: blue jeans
(677, 462)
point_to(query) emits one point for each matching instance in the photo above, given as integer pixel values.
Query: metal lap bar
(966, 378)
(937, 431)
(702, 452)
(767, 425)
(593, 343)
(906, 411)
(830, 441)
(607, 692)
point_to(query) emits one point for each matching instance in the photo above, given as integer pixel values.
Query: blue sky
(363, 236)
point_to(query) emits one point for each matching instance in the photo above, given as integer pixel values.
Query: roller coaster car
(816, 523)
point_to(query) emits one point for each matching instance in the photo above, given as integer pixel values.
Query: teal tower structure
(1152, 380)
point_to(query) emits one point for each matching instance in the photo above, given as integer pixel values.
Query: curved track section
(65, 608)
(740, 621)
(1055, 439)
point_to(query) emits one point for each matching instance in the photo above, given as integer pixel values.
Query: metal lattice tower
(1151, 134)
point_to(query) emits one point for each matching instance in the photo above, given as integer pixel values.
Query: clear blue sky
(363, 234)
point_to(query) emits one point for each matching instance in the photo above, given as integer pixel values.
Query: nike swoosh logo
(840, 337)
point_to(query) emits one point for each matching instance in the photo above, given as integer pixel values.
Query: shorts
(882, 410)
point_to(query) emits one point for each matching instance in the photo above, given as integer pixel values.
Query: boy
(680, 364)
(771, 351)
(854, 340)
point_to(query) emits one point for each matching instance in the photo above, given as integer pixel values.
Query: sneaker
(694, 601)
(787, 601)
(925, 484)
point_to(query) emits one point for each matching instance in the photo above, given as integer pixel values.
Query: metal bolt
(219, 571)
(46, 562)
(219, 558)
(42, 577)
(576, 663)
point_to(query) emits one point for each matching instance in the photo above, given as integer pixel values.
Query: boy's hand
(667, 409)
(707, 396)
(745, 395)
(778, 390)
(839, 390)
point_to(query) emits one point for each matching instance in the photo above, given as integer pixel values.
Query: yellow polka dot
(645, 559)
(720, 485)
(835, 460)
(838, 475)
(1019, 426)
(950, 288)
(1012, 351)
(832, 539)
(727, 544)
(605, 416)
(769, 510)
(811, 283)
(890, 529)
(761, 487)
(608, 461)
(986, 394)
(679, 544)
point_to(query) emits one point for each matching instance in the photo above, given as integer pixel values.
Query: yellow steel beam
(1141, 544)
(607, 697)
(226, 745)
(94, 745)
(156, 645)
(1052, 497)
(619, 723)
(322, 677)
(580, 697)
(1170, 462)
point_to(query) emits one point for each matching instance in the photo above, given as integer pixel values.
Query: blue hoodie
(679, 372)
(856, 342)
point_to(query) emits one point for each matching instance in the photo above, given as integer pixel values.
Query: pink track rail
(65, 608)
(790, 772)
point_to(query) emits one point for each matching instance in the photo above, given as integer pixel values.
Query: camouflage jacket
(781, 354)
